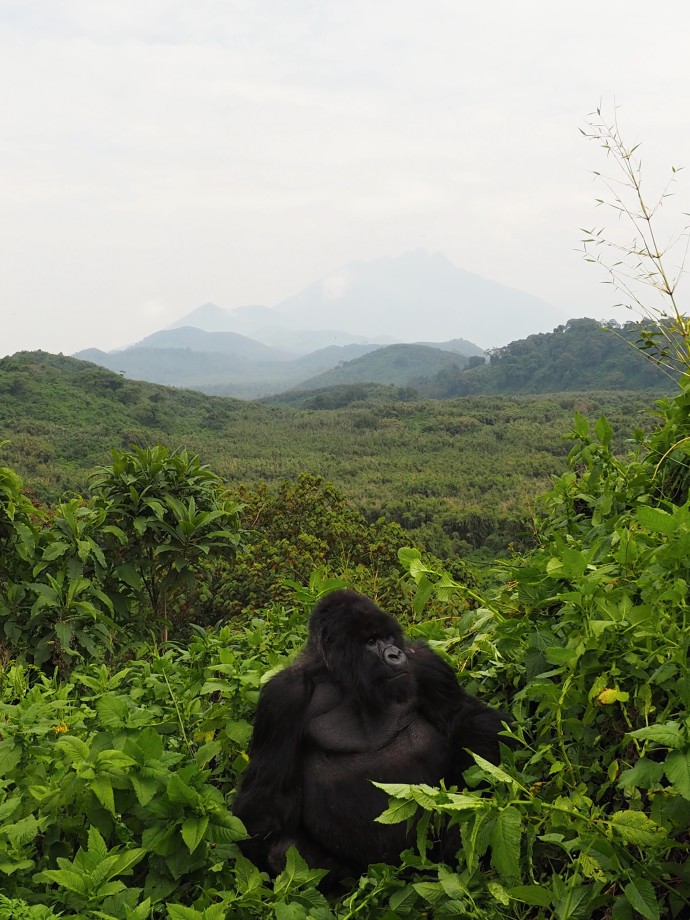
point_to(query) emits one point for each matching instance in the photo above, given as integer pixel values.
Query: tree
(165, 512)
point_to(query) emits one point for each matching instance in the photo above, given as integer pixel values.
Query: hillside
(218, 363)
(227, 363)
(458, 474)
(398, 365)
(272, 328)
(581, 355)
(225, 343)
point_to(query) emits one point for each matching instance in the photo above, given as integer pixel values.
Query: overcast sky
(157, 154)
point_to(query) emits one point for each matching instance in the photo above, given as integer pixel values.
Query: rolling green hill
(218, 363)
(394, 364)
(581, 355)
(457, 473)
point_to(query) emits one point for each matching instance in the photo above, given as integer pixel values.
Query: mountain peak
(419, 296)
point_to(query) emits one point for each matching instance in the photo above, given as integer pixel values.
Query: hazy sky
(157, 154)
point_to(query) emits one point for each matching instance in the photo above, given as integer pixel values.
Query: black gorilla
(359, 704)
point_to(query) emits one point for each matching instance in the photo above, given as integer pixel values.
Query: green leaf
(193, 831)
(66, 878)
(581, 425)
(64, 634)
(142, 912)
(505, 843)
(399, 810)
(103, 790)
(178, 912)
(129, 575)
(74, 749)
(55, 550)
(431, 892)
(499, 893)
(492, 770)
(656, 520)
(144, 788)
(127, 860)
(603, 431)
(641, 895)
(112, 711)
(534, 895)
(561, 656)
(96, 848)
(636, 828)
(574, 562)
(180, 793)
(574, 904)
(10, 755)
(292, 911)
(645, 774)
(677, 770)
(407, 555)
(666, 734)
(452, 884)
(296, 874)
(247, 876)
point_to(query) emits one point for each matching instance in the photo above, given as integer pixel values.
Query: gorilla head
(362, 647)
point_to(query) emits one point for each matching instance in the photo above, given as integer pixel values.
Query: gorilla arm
(270, 796)
(463, 720)
(270, 800)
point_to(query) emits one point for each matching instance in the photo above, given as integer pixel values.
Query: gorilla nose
(394, 656)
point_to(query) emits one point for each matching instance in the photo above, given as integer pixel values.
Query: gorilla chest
(348, 746)
(346, 750)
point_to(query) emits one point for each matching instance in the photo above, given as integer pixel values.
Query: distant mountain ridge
(399, 365)
(226, 343)
(580, 355)
(416, 297)
(255, 350)
(265, 325)
(420, 296)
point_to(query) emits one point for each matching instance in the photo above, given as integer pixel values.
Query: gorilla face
(362, 647)
(386, 672)
(393, 657)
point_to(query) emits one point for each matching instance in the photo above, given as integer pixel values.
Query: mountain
(400, 365)
(584, 354)
(218, 363)
(419, 297)
(416, 297)
(460, 346)
(212, 318)
(265, 325)
(225, 343)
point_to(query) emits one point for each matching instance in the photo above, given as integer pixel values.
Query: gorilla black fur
(359, 704)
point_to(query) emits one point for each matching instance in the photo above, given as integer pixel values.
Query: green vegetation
(581, 355)
(578, 356)
(456, 474)
(394, 364)
(117, 769)
(120, 754)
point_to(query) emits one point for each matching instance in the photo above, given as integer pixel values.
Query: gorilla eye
(371, 641)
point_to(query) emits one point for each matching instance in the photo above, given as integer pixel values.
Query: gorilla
(359, 704)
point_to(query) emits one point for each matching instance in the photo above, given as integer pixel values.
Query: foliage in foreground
(116, 781)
